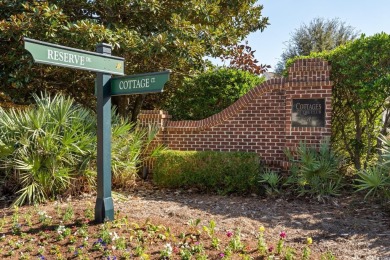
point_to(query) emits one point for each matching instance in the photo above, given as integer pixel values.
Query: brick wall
(260, 121)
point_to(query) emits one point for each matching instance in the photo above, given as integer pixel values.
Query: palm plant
(272, 181)
(46, 146)
(375, 180)
(315, 172)
(131, 146)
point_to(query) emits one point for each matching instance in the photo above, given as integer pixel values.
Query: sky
(285, 16)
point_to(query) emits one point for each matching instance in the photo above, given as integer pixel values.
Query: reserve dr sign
(53, 54)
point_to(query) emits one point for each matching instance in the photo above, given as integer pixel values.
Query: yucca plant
(315, 172)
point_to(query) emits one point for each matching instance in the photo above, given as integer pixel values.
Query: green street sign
(53, 54)
(139, 84)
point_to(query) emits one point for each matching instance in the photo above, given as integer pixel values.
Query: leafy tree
(320, 35)
(361, 77)
(151, 35)
(242, 56)
(210, 92)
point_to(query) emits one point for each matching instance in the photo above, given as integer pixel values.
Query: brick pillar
(153, 117)
(308, 79)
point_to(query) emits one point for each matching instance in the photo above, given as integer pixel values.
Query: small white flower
(42, 213)
(115, 236)
(60, 229)
(168, 248)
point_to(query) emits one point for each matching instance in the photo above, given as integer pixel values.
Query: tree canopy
(151, 35)
(317, 36)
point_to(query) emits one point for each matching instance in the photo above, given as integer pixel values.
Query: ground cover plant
(64, 230)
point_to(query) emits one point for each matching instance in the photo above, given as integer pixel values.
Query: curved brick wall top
(232, 110)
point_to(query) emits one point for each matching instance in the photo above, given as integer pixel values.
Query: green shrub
(315, 172)
(223, 172)
(130, 146)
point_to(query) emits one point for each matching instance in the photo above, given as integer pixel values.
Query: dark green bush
(223, 172)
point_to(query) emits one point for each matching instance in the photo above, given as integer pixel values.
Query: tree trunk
(139, 100)
(122, 104)
(358, 141)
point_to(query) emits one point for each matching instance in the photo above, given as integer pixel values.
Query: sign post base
(104, 209)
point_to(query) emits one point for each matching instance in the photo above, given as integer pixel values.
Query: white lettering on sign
(66, 57)
(135, 83)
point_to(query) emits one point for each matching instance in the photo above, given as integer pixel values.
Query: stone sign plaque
(308, 113)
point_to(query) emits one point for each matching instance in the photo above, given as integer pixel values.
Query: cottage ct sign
(139, 84)
(105, 65)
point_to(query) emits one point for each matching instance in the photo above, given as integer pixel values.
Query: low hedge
(222, 172)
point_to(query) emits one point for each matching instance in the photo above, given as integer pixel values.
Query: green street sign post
(139, 84)
(104, 207)
(53, 54)
(105, 65)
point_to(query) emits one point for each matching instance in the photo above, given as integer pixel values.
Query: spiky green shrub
(375, 180)
(223, 172)
(315, 172)
(44, 148)
(50, 148)
(130, 147)
(271, 181)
